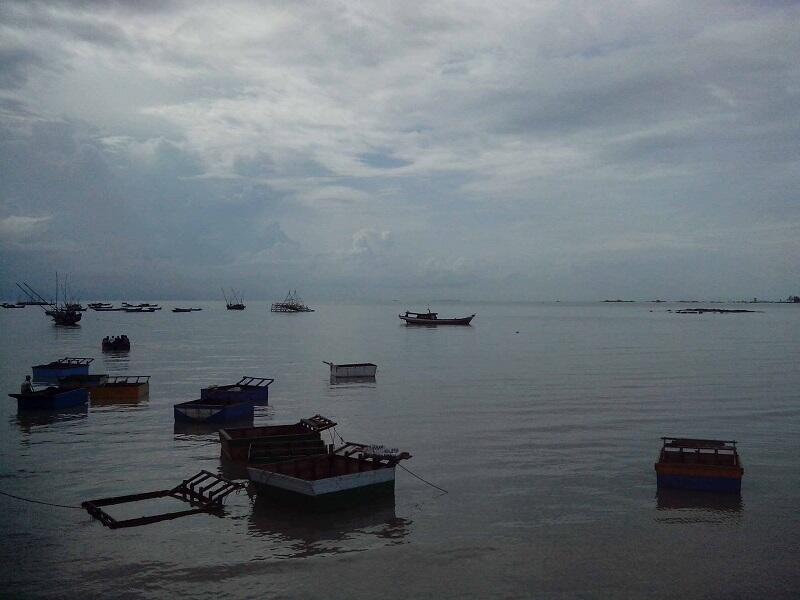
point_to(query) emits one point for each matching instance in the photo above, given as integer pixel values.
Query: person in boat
(27, 386)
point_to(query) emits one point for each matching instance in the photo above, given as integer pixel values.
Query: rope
(422, 480)
(39, 501)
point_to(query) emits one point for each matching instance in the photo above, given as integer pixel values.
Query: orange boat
(692, 464)
(126, 388)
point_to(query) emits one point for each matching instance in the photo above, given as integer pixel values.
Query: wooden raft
(204, 491)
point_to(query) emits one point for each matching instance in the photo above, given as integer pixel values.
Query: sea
(533, 434)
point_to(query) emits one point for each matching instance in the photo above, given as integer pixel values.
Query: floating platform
(274, 443)
(63, 367)
(213, 411)
(52, 398)
(247, 389)
(205, 492)
(697, 464)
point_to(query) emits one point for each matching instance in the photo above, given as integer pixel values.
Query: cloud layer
(554, 150)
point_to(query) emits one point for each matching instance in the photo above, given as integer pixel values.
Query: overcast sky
(473, 150)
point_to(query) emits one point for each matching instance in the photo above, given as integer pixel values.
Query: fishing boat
(66, 314)
(64, 367)
(52, 398)
(122, 388)
(117, 343)
(185, 310)
(214, 411)
(109, 308)
(291, 304)
(235, 302)
(273, 443)
(249, 389)
(352, 472)
(9, 305)
(431, 319)
(96, 305)
(352, 370)
(697, 464)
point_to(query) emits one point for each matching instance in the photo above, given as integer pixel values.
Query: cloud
(16, 227)
(371, 243)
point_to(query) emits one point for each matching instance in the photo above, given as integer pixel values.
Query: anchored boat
(273, 443)
(214, 411)
(695, 464)
(354, 471)
(431, 319)
(117, 343)
(247, 389)
(291, 304)
(52, 398)
(351, 370)
(63, 367)
(122, 388)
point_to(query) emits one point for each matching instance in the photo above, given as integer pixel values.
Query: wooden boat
(214, 411)
(8, 305)
(695, 464)
(432, 319)
(291, 304)
(353, 472)
(185, 310)
(250, 389)
(65, 317)
(52, 398)
(141, 309)
(63, 367)
(118, 343)
(122, 388)
(273, 443)
(351, 370)
(96, 305)
(109, 308)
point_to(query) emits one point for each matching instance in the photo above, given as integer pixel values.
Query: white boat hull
(322, 488)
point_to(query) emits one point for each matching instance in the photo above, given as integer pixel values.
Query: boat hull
(353, 370)
(698, 478)
(325, 491)
(120, 392)
(201, 411)
(54, 400)
(436, 322)
(232, 393)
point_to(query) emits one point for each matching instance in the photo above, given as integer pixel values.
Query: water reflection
(28, 419)
(696, 506)
(363, 381)
(304, 534)
(66, 332)
(116, 361)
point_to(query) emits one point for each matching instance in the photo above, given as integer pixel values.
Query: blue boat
(247, 389)
(699, 464)
(52, 398)
(64, 367)
(213, 411)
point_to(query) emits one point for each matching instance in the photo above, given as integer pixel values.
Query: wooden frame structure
(205, 492)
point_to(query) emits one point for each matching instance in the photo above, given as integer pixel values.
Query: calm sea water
(541, 420)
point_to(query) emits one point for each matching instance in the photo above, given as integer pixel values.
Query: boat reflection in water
(303, 534)
(366, 381)
(30, 419)
(689, 506)
(116, 361)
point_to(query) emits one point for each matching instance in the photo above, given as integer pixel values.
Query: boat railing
(317, 423)
(73, 361)
(255, 381)
(128, 379)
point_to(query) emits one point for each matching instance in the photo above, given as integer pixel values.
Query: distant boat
(235, 302)
(291, 304)
(117, 343)
(431, 319)
(352, 370)
(250, 389)
(692, 464)
(184, 310)
(213, 411)
(8, 305)
(68, 313)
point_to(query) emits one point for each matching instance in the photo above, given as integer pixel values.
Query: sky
(382, 150)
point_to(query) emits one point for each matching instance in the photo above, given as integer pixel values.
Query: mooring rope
(421, 479)
(39, 501)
